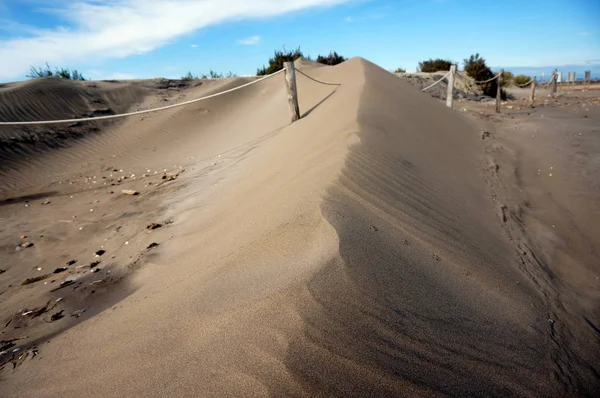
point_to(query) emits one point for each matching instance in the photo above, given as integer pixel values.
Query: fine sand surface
(383, 245)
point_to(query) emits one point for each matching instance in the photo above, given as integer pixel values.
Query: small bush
(521, 79)
(277, 61)
(332, 59)
(476, 68)
(62, 73)
(211, 75)
(214, 75)
(189, 77)
(400, 70)
(507, 77)
(435, 65)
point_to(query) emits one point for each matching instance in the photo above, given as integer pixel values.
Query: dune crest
(356, 252)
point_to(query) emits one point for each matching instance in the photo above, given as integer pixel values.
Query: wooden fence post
(290, 80)
(499, 91)
(532, 96)
(450, 92)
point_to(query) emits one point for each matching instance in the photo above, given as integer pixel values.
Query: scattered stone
(35, 279)
(95, 270)
(71, 262)
(77, 313)
(100, 252)
(170, 176)
(46, 202)
(67, 282)
(153, 226)
(60, 269)
(23, 246)
(374, 228)
(152, 245)
(2, 271)
(111, 192)
(57, 316)
(23, 237)
(485, 134)
(130, 192)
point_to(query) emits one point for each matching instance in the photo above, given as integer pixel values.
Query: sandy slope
(355, 252)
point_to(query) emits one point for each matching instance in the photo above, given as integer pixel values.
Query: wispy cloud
(120, 28)
(349, 19)
(194, 45)
(250, 41)
(585, 34)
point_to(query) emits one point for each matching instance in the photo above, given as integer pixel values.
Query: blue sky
(167, 38)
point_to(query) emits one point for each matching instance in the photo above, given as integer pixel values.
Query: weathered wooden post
(553, 84)
(532, 96)
(450, 92)
(499, 91)
(290, 80)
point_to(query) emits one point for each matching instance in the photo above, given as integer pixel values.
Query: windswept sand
(377, 247)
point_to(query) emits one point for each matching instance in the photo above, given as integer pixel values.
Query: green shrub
(277, 61)
(62, 73)
(507, 77)
(435, 65)
(476, 68)
(521, 79)
(332, 59)
(189, 77)
(400, 70)
(214, 75)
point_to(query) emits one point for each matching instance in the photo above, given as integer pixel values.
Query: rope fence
(522, 85)
(317, 81)
(532, 83)
(437, 82)
(468, 78)
(162, 108)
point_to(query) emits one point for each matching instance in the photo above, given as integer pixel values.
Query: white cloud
(194, 45)
(120, 28)
(250, 41)
(349, 19)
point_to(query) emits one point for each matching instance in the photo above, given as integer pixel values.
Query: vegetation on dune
(282, 56)
(47, 71)
(189, 77)
(521, 79)
(332, 59)
(400, 70)
(435, 65)
(507, 78)
(477, 69)
(279, 58)
(211, 75)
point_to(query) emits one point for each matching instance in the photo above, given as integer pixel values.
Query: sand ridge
(357, 252)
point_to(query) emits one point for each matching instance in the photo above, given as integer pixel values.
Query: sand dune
(357, 252)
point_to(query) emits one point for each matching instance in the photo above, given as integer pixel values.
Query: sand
(377, 247)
